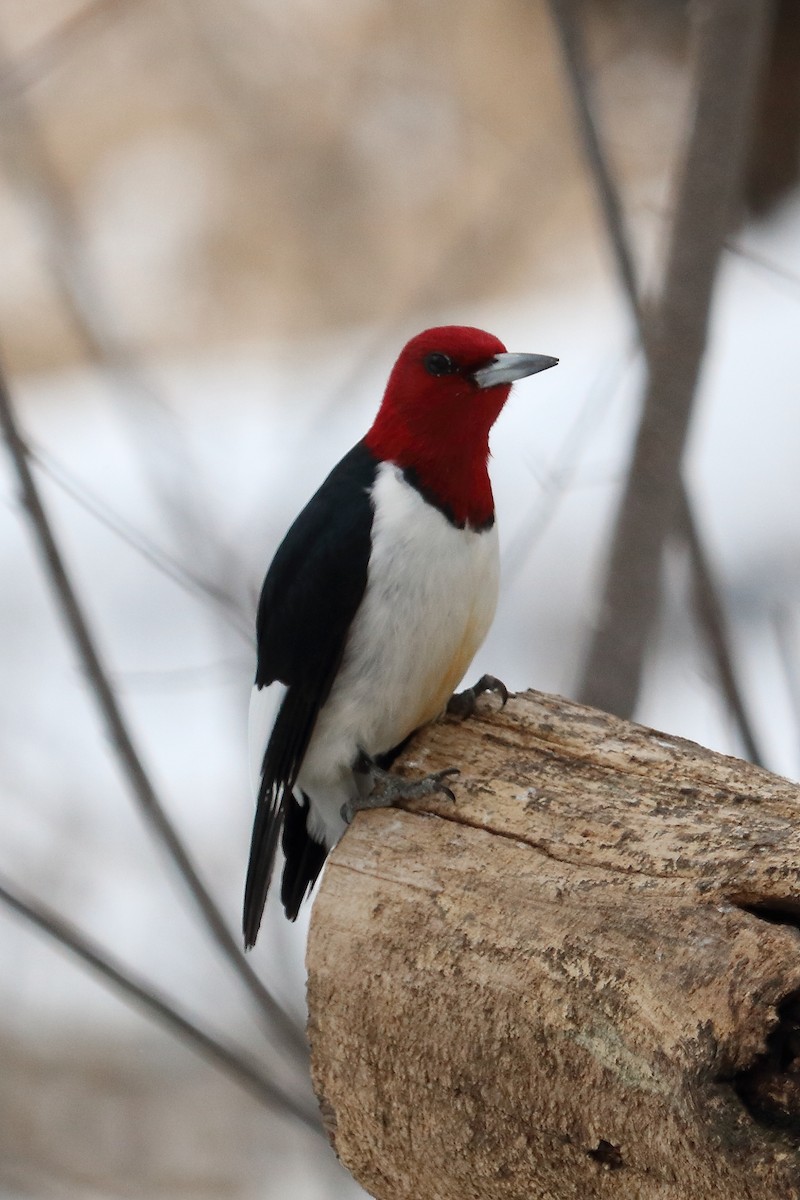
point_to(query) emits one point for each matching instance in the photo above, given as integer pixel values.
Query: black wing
(310, 596)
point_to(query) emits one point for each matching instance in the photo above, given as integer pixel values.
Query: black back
(310, 596)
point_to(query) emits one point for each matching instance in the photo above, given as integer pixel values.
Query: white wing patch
(264, 705)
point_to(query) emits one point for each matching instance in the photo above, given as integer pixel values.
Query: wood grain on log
(580, 980)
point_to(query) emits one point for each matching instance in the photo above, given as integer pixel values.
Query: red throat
(451, 470)
(437, 428)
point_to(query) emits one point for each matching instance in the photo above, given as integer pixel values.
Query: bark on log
(582, 979)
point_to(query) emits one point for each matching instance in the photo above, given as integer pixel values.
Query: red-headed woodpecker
(374, 606)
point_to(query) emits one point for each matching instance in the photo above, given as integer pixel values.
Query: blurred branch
(278, 1023)
(50, 50)
(180, 678)
(564, 464)
(774, 164)
(709, 607)
(32, 172)
(767, 265)
(786, 625)
(673, 338)
(575, 60)
(737, 249)
(713, 621)
(227, 1058)
(159, 558)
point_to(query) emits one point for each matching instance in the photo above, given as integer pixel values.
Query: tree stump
(581, 979)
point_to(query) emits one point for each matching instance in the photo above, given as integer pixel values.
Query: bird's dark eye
(439, 364)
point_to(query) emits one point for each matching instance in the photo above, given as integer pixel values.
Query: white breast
(430, 599)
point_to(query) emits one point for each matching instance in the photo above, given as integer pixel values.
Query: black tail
(266, 828)
(304, 857)
(275, 805)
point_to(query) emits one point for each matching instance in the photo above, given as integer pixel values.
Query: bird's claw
(434, 782)
(463, 704)
(387, 789)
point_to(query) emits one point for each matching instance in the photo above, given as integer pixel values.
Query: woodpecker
(374, 606)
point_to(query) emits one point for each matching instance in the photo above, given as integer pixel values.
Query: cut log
(579, 980)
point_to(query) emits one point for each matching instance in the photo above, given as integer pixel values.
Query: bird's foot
(386, 789)
(462, 704)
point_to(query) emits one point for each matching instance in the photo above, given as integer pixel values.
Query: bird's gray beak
(505, 368)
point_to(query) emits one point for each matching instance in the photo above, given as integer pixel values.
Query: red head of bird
(445, 392)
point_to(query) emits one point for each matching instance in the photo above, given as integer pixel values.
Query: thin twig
(713, 621)
(277, 1020)
(736, 248)
(226, 1057)
(151, 423)
(784, 622)
(564, 464)
(162, 560)
(767, 265)
(181, 678)
(51, 49)
(575, 60)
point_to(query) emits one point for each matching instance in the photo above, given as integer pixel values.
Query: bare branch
(713, 622)
(709, 607)
(151, 424)
(230, 1059)
(574, 53)
(159, 558)
(767, 265)
(775, 154)
(730, 36)
(784, 621)
(49, 50)
(564, 464)
(279, 1024)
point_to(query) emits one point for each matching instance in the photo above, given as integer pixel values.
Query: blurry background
(219, 223)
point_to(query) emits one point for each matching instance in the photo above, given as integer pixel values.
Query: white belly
(430, 599)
